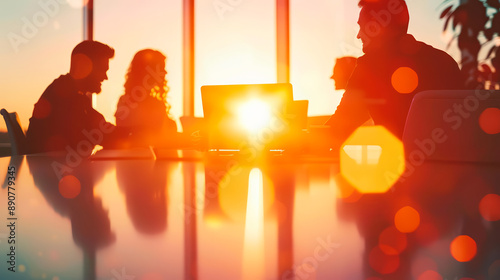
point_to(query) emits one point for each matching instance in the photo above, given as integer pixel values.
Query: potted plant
(475, 24)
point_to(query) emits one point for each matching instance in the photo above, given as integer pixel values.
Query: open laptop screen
(252, 114)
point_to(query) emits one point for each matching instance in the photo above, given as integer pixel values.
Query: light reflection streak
(253, 247)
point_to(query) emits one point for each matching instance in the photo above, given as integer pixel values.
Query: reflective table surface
(202, 216)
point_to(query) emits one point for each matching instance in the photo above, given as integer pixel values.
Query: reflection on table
(221, 217)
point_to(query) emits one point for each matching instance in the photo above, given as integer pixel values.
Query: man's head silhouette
(381, 22)
(89, 64)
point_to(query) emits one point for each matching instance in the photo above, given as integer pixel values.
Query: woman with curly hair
(143, 109)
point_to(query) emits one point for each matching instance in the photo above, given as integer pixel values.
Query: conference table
(186, 214)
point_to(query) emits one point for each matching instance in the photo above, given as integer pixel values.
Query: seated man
(63, 117)
(393, 69)
(342, 71)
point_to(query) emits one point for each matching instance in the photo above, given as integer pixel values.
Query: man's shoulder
(433, 53)
(60, 87)
(426, 48)
(439, 65)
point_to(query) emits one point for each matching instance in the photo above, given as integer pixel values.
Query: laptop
(248, 115)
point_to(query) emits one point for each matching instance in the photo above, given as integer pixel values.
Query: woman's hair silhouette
(147, 71)
(143, 110)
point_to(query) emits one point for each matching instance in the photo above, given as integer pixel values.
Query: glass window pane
(38, 37)
(326, 30)
(319, 33)
(129, 26)
(235, 43)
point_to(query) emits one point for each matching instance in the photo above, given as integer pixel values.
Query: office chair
(16, 134)
(453, 125)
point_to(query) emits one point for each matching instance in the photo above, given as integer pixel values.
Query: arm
(352, 110)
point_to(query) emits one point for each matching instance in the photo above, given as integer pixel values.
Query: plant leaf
(446, 23)
(493, 3)
(490, 52)
(446, 11)
(459, 16)
(455, 22)
(485, 69)
(495, 23)
(451, 41)
(488, 33)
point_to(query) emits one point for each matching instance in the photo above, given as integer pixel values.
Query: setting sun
(254, 115)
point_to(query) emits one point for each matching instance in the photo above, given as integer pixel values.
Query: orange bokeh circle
(69, 186)
(404, 80)
(463, 248)
(407, 219)
(489, 120)
(489, 207)
(382, 262)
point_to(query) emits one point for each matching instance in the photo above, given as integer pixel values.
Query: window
(38, 37)
(129, 26)
(235, 43)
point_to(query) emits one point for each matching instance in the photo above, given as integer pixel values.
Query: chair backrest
(16, 134)
(453, 125)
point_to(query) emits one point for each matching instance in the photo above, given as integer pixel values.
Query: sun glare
(254, 115)
(364, 154)
(372, 159)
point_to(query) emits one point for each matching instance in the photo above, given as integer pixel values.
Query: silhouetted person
(143, 109)
(342, 71)
(63, 117)
(90, 222)
(393, 61)
(144, 184)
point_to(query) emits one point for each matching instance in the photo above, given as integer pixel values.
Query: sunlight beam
(253, 248)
